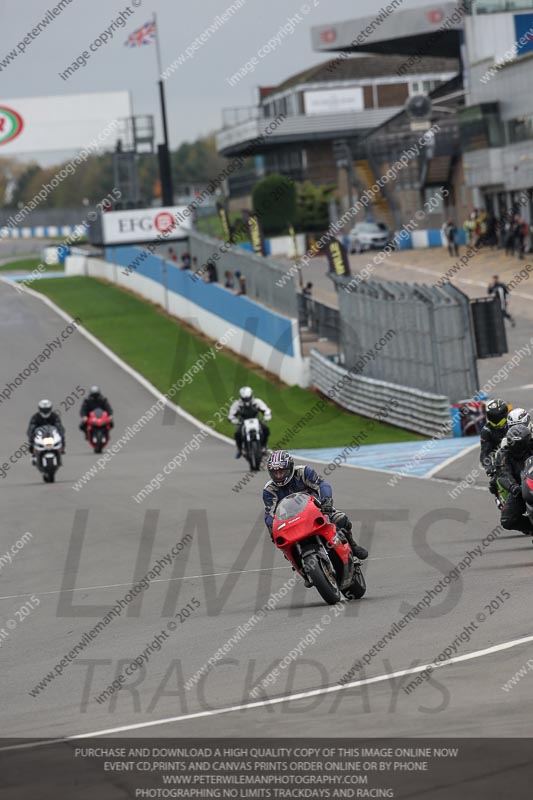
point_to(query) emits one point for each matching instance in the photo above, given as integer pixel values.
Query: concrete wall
(268, 339)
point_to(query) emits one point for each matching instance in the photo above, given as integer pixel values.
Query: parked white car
(369, 236)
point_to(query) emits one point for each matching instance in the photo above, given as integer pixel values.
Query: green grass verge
(163, 351)
(28, 265)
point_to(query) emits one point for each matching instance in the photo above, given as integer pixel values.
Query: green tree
(197, 162)
(274, 201)
(312, 213)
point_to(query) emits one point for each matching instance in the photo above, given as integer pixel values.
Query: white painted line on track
(450, 460)
(401, 475)
(277, 700)
(180, 411)
(123, 365)
(169, 580)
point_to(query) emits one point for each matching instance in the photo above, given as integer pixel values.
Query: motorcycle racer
(519, 448)
(45, 415)
(95, 399)
(248, 407)
(491, 438)
(286, 479)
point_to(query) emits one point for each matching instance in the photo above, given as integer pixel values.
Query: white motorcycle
(251, 443)
(47, 446)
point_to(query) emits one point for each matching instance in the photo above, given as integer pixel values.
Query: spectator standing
(501, 290)
(241, 283)
(492, 231)
(449, 231)
(508, 235)
(172, 254)
(307, 293)
(229, 283)
(211, 275)
(186, 260)
(520, 236)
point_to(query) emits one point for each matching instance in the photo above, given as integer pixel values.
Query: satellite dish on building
(418, 107)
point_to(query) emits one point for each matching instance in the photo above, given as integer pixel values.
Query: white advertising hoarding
(334, 101)
(136, 225)
(66, 122)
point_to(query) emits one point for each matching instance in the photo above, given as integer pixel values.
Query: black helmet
(94, 391)
(45, 408)
(497, 412)
(280, 467)
(519, 440)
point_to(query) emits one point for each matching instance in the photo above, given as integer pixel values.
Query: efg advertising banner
(132, 226)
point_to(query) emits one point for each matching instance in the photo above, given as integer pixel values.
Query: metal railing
(319, 318)
(433, 346)
(260, 273)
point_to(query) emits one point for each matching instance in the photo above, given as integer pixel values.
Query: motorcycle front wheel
(323, 578)
(254, 454)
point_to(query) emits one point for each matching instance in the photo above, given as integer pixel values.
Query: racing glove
(516, 490)
(327, 505)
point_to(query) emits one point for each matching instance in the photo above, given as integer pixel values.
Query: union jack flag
(143, 35)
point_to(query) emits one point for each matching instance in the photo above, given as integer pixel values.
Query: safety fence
(319, 318)
(408, 408)
(433, 347)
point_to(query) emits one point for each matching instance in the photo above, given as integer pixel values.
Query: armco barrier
(267, 338)
(415, 410)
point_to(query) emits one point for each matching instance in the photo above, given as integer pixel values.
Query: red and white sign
(164, 222)
(131, 226)
(435, 15)
(329, 35)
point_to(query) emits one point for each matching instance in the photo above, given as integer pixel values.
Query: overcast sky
(198, 89)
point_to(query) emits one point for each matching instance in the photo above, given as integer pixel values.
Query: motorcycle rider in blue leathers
(286, 479)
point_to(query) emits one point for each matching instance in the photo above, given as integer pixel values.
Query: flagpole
(167, 192)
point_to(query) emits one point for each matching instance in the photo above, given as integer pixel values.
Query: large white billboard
(132, 226)
(65, 122)
(334, 101)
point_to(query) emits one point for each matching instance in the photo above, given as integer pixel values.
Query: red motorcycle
(98, 427)
(316, 549)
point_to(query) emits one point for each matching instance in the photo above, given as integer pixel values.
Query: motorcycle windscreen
(292, 505)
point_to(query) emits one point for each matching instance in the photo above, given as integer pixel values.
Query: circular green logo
(11, 124)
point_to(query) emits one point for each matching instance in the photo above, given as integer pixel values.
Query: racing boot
(344, 526)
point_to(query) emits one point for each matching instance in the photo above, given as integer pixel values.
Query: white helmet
(246, 394)
(518, 416)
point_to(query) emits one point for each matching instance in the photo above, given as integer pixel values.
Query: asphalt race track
(90, 546)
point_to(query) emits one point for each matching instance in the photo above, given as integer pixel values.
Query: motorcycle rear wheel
(323, 579)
